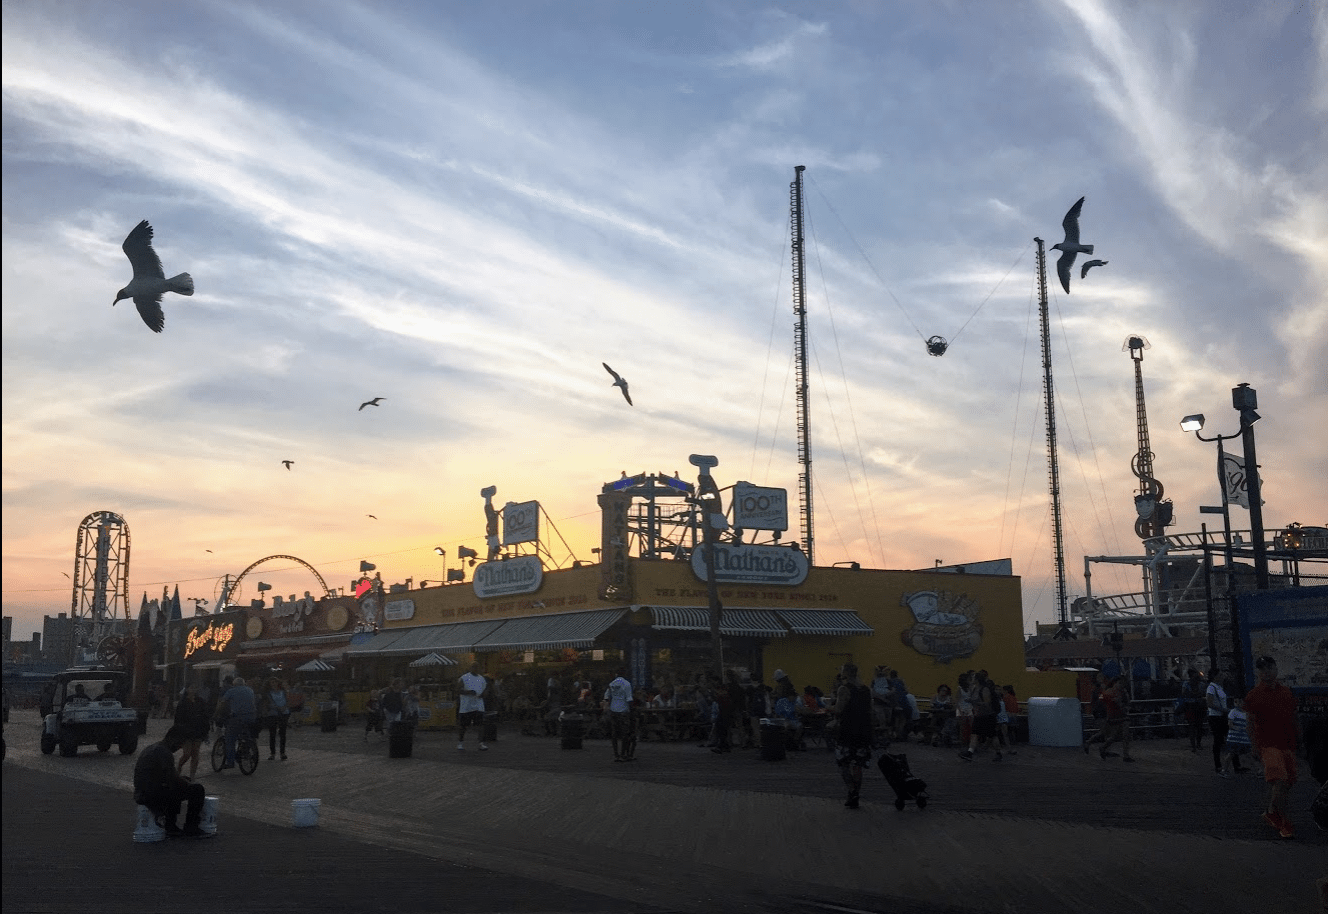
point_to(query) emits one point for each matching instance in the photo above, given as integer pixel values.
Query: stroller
(904, 783)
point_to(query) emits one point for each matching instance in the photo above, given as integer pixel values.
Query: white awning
(542, 633)
(824, 622)
(315, 666)
(753, 623)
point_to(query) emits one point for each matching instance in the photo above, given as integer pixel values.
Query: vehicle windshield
(94, 689)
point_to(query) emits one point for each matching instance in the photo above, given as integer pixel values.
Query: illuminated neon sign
(214, 637)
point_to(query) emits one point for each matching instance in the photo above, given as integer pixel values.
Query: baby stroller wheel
(922, 801)
(899, 805)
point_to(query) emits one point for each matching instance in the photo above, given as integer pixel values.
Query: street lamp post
(1243, 398)
(708, 500)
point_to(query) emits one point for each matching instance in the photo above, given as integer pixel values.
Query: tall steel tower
(101, 583)
(1053, 463)
(1154, 514)
(800, 360)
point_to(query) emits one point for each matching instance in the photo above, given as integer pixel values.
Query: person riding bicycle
(242, 711)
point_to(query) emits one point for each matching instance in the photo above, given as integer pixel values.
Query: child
(1238, 735)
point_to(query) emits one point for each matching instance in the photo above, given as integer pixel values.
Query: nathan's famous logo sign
(749, 564)
(212, 637)
(947, 624)
(522, 574)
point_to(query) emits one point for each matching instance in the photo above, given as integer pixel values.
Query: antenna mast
(1053, 464)
(800, 359)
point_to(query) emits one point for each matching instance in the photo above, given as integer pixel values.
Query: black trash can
(400, 739)
(327, 716)
(491, 728)
(772, 741)
(571, 729)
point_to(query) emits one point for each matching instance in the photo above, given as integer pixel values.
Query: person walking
(373, 716)
(1215, 697)
(1117, 701)
(1238, 735)
(276, 715)
(194, 722)
(618, 703)
(853, 744)
(1194, 708)
(471, 707)
(984, 702)
(1270, 711)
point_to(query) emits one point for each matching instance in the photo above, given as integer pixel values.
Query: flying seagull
(288, 463)
(66, 574)
(149, 283)
(1083, 271)
(207, 550)
(619, 381)
(1070, 247)
(370, 515)
(373, 402)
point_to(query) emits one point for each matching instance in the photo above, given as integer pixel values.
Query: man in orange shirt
(1271, 711)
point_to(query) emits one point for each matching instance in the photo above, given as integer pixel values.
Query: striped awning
(542, 633)
(315, 666)
(433, 659)
(751, 623)
(824, 622)
(452, 638)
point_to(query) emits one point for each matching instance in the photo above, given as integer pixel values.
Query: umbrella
(433, 659)
(315, 666)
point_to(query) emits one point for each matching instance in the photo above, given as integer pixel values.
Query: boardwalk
(682, 829)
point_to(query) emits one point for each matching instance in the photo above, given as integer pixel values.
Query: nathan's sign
(749, 564)
(522, 574)
(213, 637)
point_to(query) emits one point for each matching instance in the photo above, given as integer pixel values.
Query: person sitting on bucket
(159, 787)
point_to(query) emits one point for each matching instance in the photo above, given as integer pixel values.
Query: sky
(466, 208)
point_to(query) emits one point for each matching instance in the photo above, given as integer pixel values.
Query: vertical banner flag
(1235, 486)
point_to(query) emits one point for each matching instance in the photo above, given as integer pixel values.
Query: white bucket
(305, 812)
(208, 822)
(147, 830)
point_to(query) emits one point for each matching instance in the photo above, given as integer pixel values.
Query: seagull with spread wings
(288, 463)
(619, 381)
(1083, 271)
(373, 402)
(149, 283)
(1070, 247)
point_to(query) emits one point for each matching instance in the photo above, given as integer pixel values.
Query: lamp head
(440, 550)
(1192, 423)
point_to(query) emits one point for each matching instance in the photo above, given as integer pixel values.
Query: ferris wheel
(228, 589)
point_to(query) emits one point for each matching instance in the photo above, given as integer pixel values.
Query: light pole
(709, 502)
(1243, 398)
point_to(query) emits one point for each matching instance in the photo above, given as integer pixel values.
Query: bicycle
(246, 752)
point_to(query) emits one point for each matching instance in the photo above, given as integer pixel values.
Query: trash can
(400, 739)
(571, 729)
(327, 716)
(490, 728)
(772, 740)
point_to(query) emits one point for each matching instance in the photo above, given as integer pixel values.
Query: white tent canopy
(315, 666)
(433, 659)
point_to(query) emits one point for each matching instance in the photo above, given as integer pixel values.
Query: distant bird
(66, 574)
(619, 381)
(1070, 247)
(288, 466)
(1083, 271)
(149, 283)
(207, 550)
(370, 515)
(374, 401)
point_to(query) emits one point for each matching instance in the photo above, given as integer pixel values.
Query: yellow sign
(214, 637)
